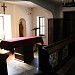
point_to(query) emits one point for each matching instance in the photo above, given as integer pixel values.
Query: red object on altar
(20, 41)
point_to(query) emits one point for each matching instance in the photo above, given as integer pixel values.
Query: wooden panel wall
(69, 24)
(55, 30)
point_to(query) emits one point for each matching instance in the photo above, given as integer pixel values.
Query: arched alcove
(22, 27)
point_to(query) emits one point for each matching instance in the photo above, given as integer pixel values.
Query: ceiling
(29, 3)
(22, 3)
(55, 1)
(60, 1)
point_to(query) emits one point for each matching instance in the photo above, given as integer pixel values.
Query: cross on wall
(4, 7)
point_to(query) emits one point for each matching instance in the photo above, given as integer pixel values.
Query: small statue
(21, 29)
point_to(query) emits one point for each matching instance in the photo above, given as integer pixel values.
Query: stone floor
(16, 67)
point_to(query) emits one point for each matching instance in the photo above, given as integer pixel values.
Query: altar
(25, 43)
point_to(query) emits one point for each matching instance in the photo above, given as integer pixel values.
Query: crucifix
(3, 7)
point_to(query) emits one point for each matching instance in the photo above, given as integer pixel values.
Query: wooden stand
(3, 63)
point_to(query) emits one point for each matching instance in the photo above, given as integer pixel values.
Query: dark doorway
(69, 24)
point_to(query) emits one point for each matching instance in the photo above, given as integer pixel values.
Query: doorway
(69, 24)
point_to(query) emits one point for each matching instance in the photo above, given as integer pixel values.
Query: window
(1, 28)
(5, 27)
(41, 26)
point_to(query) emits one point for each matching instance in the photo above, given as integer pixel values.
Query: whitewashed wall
(42, 12)
(16, 13)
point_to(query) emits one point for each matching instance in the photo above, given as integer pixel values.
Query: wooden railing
(58, 45)
(55, 54)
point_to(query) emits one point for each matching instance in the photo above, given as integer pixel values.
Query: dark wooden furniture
(3, 64)
(55, 30)
(64, 50)
(61, 28)
(44, 64)
(25, 44)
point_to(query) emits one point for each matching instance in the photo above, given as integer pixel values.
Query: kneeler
(3, 64)
(44, 64)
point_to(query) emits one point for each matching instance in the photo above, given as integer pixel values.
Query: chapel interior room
(37, 37)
